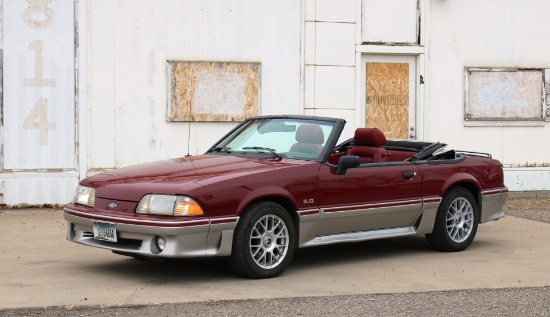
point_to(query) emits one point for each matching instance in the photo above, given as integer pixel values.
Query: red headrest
(369, 137)
(310, 133)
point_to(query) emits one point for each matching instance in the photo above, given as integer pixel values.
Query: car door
(373, 196)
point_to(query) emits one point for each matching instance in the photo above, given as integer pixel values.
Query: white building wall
(497, 33)
(310, 53)
(38, 143)
(329, 50)
(129, 43)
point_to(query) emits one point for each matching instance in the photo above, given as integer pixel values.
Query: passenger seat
(368, 145)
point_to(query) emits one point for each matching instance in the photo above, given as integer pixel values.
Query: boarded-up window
(504, 94)
(388, 98)
(212, 91)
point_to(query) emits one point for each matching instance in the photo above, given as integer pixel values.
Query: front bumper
(188, 238)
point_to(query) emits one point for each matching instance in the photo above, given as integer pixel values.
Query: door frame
(416, 90)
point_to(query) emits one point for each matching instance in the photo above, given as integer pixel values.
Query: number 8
(38, 6)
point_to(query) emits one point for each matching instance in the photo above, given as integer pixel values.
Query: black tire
(264, 241)
(456, 221)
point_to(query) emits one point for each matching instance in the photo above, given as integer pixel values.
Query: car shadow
(154, 272)
(372, 250)
(217, 268)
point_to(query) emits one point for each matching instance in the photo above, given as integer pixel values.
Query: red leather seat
(308, 136)
(368, 145)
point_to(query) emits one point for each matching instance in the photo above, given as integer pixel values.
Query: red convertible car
(277, 183)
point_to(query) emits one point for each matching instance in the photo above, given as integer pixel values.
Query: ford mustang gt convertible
(277, 183)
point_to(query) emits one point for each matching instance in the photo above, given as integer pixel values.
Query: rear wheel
(264, 241)
(456, 222)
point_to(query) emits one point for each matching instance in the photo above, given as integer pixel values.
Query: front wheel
(456, 222)
(264, 241)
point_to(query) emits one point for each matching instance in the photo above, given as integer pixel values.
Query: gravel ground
(532, 209)
(479, 302)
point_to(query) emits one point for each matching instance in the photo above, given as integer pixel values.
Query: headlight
(168, 205)
(84, 195)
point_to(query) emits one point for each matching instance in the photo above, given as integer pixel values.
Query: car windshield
(278, 137)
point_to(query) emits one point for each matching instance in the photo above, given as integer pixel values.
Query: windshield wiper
(221, 149)
(272, 151)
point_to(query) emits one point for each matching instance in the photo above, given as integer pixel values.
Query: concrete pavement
(40, 268)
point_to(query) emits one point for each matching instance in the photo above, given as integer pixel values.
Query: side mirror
(346, 162)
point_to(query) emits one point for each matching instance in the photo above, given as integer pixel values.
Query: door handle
(409, 175)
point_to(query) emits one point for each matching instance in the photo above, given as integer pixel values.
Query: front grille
(129, 242)
(124, 243)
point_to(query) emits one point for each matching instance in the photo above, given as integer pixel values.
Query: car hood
(174, 176)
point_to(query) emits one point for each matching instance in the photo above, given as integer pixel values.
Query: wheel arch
(466, 181)
(286, 204)
(282, 199)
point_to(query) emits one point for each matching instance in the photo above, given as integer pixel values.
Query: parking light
(185, 206)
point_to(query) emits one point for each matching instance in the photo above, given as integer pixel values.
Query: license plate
(105, 231)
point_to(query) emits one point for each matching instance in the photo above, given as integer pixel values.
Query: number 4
(38, 119)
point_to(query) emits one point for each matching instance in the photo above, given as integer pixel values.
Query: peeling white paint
(500, 94)
(527, 179)
(219, 92)
(38, 102)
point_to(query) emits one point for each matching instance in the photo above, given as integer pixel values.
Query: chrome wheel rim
(460, 219)
(269, 241)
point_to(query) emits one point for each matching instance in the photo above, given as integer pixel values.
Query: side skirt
(422, 225)
(359, 236)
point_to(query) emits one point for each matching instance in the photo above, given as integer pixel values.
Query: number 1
(38, 80)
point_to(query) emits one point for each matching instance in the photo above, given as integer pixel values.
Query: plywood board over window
(212, 91)
(504, 94)
(388, 98)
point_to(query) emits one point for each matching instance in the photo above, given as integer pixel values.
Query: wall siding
(310, 54)
(137, 38)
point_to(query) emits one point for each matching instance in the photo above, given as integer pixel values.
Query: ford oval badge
(111, 205)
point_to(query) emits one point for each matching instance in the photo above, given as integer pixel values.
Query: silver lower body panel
(206, 239)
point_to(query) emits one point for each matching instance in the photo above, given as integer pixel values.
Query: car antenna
(188, 139)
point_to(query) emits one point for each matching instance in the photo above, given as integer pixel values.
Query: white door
(389, 94)
(38, 126)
